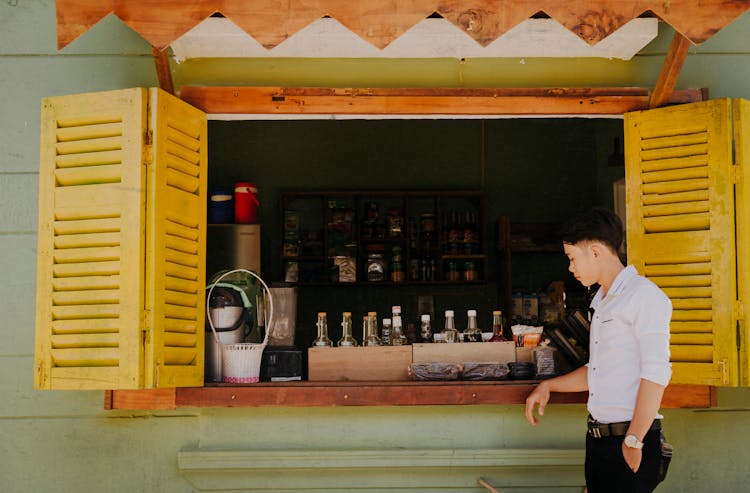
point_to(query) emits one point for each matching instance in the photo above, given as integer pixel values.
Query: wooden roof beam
(163, 72)
(414, 101)
(670, 71)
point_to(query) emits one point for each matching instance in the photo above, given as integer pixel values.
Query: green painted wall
(65, 441)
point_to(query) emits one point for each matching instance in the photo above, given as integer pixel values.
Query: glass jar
(451, 273)
(375, 267)
(470, 271)
(395, 223)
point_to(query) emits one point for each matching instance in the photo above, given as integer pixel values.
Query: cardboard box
(383, 363)
(465, 352)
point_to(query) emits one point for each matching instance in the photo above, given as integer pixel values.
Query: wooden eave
(162, 22)
(381, 21)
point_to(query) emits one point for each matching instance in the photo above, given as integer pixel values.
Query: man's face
(583, 263)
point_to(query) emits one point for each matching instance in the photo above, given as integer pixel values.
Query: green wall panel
(65, 441)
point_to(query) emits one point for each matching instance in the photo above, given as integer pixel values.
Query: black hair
(597, 224)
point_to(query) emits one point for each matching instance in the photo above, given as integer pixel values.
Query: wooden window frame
(475, 102)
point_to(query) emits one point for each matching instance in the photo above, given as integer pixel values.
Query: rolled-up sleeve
(652, 332)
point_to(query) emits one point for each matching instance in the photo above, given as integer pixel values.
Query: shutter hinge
(724, 369)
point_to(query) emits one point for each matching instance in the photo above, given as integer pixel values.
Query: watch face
(632, 442)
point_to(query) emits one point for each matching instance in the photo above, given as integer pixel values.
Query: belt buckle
(595, 432)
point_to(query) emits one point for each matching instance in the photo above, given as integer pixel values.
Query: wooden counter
(408, 393)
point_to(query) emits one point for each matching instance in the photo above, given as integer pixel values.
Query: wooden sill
(328, 394)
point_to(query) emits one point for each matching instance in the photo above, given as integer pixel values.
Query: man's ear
(596, 249)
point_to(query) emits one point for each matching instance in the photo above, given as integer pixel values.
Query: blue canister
(221, 207)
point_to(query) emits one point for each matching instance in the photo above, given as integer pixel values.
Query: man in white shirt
(628, 367)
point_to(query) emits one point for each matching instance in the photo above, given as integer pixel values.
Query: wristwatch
(632, 441)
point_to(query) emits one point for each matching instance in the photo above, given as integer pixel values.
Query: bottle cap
(497, 312)
(472, 313)
(386, 321)
(321, 314)
(372, 313)
(426, 317)
(396, 309)
(347, 314)
(448, 313)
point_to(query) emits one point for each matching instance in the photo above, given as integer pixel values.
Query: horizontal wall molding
(382, 470)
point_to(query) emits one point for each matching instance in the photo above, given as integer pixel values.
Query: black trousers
(607, 471)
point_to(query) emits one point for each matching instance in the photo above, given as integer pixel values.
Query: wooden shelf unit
(314, 213)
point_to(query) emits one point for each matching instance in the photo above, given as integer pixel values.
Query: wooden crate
(384, 363)
(465, 352)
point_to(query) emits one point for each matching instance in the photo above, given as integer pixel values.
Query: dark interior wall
(534, 170)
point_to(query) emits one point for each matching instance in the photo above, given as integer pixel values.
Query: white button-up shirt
(629, 341)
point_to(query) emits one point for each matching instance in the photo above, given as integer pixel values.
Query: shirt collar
(618, 285)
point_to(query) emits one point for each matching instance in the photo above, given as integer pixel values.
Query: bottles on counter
(397, 335)
(425, 329)
(392, 330)
(347, 339)
(371, 324)
(322, 340)
(472, 333)
(497, 327)
(450, 334)
(385, 331)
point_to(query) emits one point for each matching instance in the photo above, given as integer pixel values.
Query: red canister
(245, 203)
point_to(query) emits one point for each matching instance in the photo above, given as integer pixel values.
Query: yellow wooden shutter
(90, 243)
(176, 243)
(741, 114)
(680, 230)
(121, 247)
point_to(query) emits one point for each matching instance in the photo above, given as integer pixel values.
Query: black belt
(599, 430)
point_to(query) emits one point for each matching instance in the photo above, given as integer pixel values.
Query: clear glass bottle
(385, 332)
(450, 334)
(371, 322)
(397, 335)
(347, 339)
(322, 340)
(473, 334)
(497, 327)
(425, 330)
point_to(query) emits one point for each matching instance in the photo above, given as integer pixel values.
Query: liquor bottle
(450, 334)
(425, 330)
(395, 312)
(371, 324)
(322, 340)
(386, 332)
(473, 334)
(347, 340)
(497, 327)
(397, 336)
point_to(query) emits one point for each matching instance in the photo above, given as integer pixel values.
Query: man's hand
(540, 396)
(632, 457)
